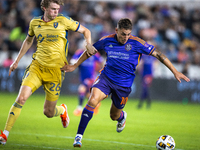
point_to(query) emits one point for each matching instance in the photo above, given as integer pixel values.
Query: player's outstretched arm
(24, 48)
(162, 58)
(70, 68)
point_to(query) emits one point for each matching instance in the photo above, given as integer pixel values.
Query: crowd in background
(175, 30)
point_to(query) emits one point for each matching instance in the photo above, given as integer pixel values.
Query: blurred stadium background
(174, 26)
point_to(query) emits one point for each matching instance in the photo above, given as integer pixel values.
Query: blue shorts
(119, 95)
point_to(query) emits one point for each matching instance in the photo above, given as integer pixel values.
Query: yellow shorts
(51, 78)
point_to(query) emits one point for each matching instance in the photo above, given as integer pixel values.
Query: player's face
(122, 35)
(51, 12)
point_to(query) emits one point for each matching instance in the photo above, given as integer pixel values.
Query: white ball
(165, 142)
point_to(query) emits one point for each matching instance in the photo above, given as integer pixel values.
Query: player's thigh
(96, 96)
(30, 83)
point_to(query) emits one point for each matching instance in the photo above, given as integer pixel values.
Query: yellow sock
(14, 113)
(58, 110)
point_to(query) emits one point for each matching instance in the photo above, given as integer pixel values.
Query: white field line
(39, 147)
(85, 139)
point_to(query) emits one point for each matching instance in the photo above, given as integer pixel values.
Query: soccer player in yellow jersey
(51, 32)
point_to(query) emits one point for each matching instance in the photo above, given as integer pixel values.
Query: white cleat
(121, 124)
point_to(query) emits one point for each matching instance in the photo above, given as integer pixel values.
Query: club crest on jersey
(128, 47)
(55, 24)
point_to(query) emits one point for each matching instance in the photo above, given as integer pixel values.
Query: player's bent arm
(25, 47)
(86, 32)
(87, 35)
(162, 58)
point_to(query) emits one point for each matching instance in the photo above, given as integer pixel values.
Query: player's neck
(46, 19)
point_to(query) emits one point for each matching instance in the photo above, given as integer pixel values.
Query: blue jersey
(87, 68)
(122, 59)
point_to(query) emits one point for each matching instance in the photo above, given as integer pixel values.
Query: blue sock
(121, 117)
(81, 98)
(85, 118)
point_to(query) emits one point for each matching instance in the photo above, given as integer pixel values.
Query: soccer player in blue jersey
(123, 52)
(51, 31)
(146, 73)
(87, 74)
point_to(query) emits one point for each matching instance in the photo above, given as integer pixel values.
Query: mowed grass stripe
(142, 129)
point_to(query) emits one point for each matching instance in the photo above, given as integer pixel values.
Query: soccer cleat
(3, 138)
(64, 117)
(121, 124)
(77, 141)
(77, 112)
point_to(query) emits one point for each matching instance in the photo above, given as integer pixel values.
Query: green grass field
(34, 131)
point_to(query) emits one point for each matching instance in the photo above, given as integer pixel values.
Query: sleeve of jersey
(71, 24)
(99, 45)
(146, 48)
(30, 30)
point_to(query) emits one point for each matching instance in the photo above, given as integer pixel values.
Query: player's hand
(180, 76)
(91, 50)
(13, 66)
(68, 68)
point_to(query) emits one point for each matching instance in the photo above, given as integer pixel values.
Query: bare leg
(115, 112)
(24, 93)
(119, 115)
(49, 108)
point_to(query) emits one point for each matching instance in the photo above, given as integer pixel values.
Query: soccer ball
(165, 142)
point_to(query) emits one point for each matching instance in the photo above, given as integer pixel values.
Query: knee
(93, 102)
(21, 99)
(48, 113)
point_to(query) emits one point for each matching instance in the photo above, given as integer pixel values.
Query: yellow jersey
(52, 43)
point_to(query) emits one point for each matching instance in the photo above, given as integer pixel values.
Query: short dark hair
(125, 23)
(46, 3)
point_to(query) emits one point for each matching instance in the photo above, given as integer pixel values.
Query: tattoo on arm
(160, 56)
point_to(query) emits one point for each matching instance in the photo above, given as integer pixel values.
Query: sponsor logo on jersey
(118, 55)
(51, 38)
